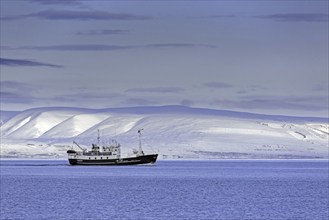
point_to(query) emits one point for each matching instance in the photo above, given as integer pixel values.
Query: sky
(268, 57)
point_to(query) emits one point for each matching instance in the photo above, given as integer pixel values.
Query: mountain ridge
(170, 109)
(172, 131)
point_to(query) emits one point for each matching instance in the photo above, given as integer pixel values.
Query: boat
(109, 154)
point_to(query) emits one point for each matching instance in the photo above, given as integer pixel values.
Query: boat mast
(79, 146)
(140, 141)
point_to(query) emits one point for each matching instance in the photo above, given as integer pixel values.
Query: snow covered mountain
(171, 131)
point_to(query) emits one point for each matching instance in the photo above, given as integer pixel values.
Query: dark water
(167, 190)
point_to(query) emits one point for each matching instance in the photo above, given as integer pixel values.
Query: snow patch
(19, 125)
(242, 131)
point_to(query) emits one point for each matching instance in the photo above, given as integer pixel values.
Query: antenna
(140, 141)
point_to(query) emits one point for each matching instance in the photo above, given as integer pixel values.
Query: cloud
(187, 102)
(179, 45)
(72, 47)
(302, 103)
(13, 92)
(5, 85)
(103, 32)
(77, 15)
(296, 17)
(138, 102)
(221, 16)
(218, 85)
(16, 92)
(102, 47)
(17, 62)
(284, 17)
(89, 96)
(251, 88)
(57, 2)
(12, 97)
(321, 87)
(156, 90)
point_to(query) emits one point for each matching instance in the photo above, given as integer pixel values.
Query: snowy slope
(171, 131)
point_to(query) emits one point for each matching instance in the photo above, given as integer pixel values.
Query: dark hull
(145, 159)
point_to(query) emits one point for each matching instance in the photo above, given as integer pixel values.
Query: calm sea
(227, 189)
